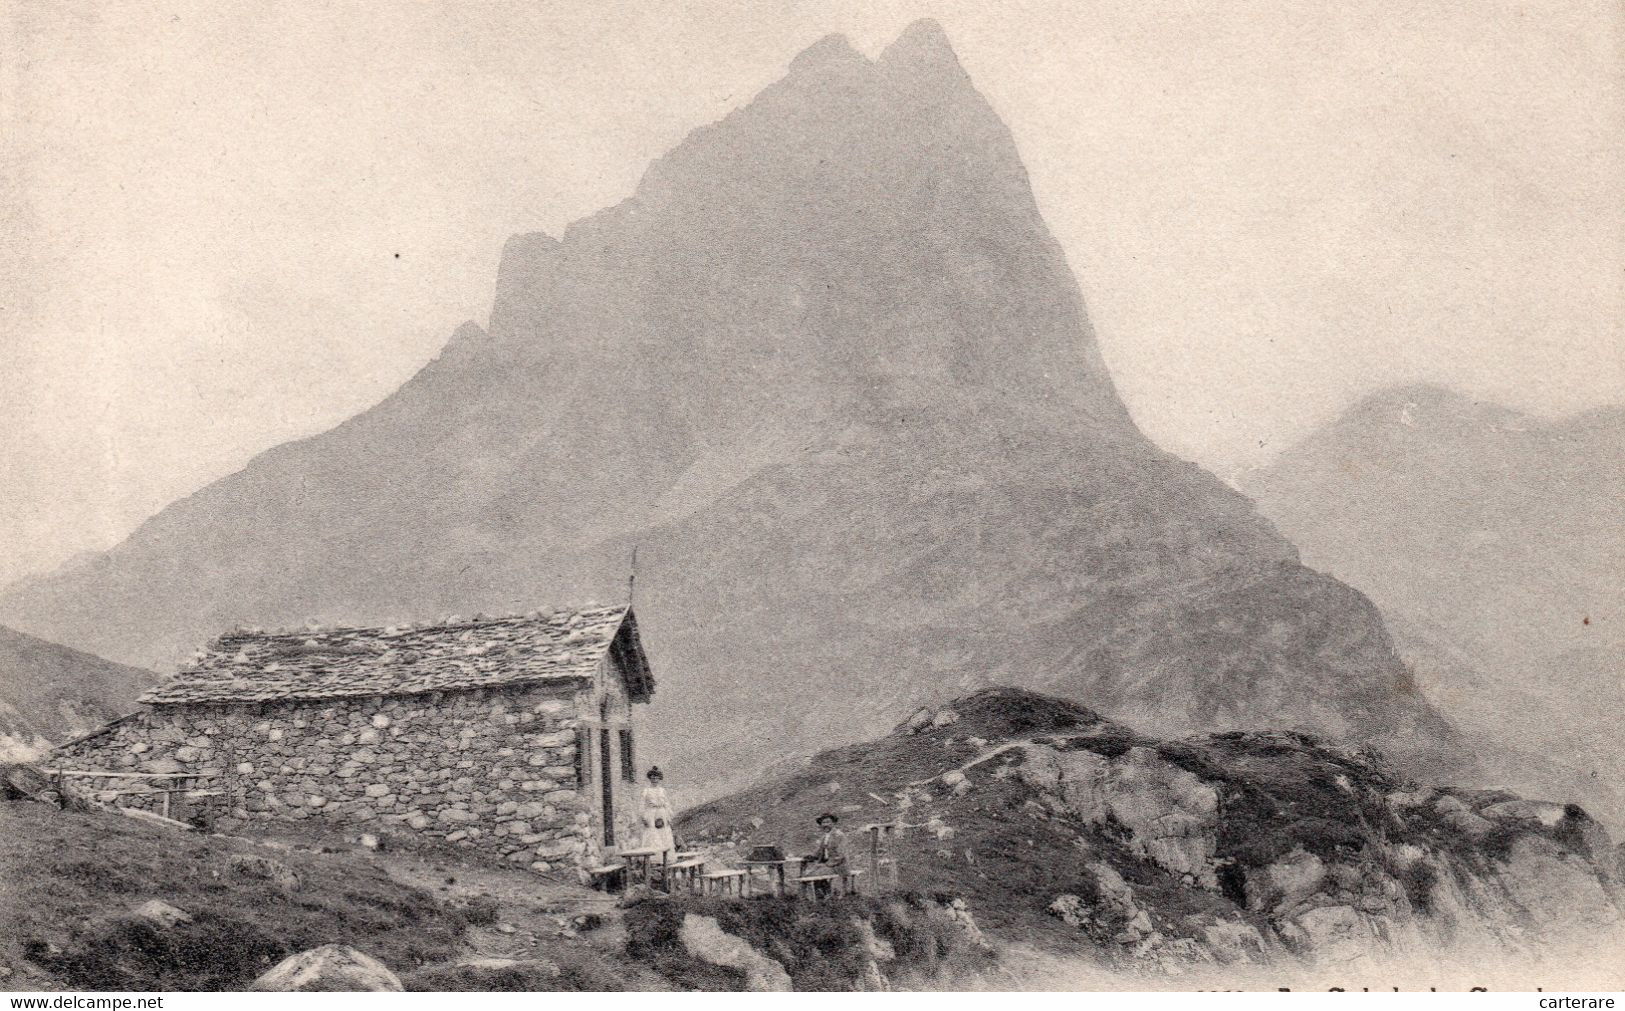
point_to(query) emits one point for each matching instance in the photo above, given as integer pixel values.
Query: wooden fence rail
(191, 789)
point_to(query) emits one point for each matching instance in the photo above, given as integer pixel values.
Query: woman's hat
(655, 773)
(826, 816)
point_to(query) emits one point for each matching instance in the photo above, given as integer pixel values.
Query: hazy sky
(230, 226)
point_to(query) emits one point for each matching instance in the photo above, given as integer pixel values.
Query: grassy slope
(69, 883)
(70, 879)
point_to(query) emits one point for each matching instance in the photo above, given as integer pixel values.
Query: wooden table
(639, 862)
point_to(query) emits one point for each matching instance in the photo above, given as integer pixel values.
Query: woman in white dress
(657, 815)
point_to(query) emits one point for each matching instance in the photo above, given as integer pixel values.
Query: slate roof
(258, 666)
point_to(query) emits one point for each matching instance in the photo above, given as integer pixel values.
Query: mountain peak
(829, 50)
(924, 36)
(1418, 403)
(829, 334)
(923, 46)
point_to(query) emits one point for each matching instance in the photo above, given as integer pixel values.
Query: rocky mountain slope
(50, 693)
(1493, 543)
(831, 375)
(1254, 855)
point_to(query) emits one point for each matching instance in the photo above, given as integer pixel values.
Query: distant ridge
(50, 693)
(1495, 541)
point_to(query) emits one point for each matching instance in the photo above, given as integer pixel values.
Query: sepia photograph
(805, 495)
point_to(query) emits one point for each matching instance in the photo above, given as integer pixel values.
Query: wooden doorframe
(606, 773)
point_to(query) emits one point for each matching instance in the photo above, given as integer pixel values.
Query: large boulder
(332, 967)
(707, 941)
(1558, 892)
(1286, 882)
(1232, 941)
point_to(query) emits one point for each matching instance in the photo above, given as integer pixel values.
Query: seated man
(830, 856)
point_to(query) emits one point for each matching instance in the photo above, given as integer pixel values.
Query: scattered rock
(1116, 895)
(1070, 909)
(162, 913)
(1232, 941)
(332, 967)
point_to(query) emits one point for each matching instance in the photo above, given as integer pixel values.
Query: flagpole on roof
(632, 578)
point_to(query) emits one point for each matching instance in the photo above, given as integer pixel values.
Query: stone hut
(514, 735)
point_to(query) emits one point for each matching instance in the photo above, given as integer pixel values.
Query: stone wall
(489, 769)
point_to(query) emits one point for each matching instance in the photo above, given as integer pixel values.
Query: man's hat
(827, 814)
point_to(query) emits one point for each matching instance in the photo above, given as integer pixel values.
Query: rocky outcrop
(1171, 815)
(1431, 869)
(331, 967)
(1264, 847)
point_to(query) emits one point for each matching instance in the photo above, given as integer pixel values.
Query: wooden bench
(686, 870)
(611, 876)
(840, 882)
(725, 881)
